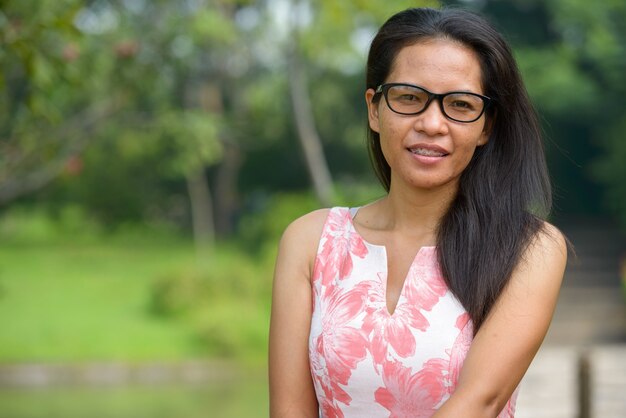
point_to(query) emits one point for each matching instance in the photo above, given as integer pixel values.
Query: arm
(512, 333)
(291, 387)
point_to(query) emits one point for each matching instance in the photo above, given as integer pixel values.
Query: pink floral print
(339, 247)
(397, 330)
(412, 395)
(366, 362)
(341, 345)
(459, 349)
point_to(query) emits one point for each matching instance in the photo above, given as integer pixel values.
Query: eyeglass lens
(412, 100)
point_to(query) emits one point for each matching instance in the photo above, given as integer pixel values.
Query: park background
(152, 152)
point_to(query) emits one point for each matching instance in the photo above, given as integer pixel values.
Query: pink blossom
(340, 244)
(341, 345)
(460, 348)
(422, 289)
(408, 395)
(425, 284)
(390, 330)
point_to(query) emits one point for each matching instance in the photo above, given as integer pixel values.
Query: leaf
(210, 25)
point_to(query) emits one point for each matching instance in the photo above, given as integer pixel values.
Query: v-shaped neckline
(383, 249)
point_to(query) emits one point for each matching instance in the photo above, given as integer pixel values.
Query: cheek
(384, 147)
(466, 154)
(390, 142)
(470, 139)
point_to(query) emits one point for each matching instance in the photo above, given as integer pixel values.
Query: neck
(416, 210)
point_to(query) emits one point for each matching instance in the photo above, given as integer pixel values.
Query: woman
(433, 300)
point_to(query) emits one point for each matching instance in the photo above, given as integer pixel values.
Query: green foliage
(343, 26)
(611, 169)
(261, 230)
(210, 24)
(194, 137)
(226, 303)
(266, 225)
(155, 89)
(123, 179)
(555, 82)
(32, 227)
(41, 87)
(175, 295)
(262, 122)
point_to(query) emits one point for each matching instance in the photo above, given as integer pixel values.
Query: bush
(263, 227)
(226, 301)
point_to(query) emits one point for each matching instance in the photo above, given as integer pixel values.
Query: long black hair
(504, 193)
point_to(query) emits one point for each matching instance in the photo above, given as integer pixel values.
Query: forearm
(509, 338)
(470, 406)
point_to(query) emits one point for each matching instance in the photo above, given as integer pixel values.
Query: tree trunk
(226, 196)
(305, 124)
(201, 212)
(209, 98)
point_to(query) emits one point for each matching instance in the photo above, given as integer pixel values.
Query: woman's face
(428, 150)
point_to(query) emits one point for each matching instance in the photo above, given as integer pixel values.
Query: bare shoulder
(301, 238)
(543, 262)
(549, 245)
(306, 229)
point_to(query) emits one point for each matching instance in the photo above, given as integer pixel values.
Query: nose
(432, 121)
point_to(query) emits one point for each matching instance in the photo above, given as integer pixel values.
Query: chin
(434, 184)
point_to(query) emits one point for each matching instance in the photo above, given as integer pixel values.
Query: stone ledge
(115, 373)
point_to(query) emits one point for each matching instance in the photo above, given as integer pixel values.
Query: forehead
(438, 65)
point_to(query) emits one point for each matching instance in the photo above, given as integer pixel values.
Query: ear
(372, 110)
(484, 137)
(486, 133)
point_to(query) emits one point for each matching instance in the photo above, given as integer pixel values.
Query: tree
(77, 66)
(303, 114)
(48, 111)
(195, 95)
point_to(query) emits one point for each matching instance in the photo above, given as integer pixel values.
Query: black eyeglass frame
(384, 89)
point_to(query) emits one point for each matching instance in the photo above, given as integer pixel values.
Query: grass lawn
(82, 298)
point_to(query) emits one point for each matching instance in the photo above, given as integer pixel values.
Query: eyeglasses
(408, 99)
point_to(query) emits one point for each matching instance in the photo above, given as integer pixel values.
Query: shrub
(225, 300)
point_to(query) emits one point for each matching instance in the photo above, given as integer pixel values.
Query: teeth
(426, 152)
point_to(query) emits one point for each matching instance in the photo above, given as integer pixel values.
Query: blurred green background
(152, 152)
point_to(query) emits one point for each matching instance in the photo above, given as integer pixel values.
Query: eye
(408, 97)
(461, 105)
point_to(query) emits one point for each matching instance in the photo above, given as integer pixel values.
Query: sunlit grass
(80, 297)
(86, 301)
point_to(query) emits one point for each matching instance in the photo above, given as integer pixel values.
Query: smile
(427, 152)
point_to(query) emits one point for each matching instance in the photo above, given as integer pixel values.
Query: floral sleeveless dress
(366, 362)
